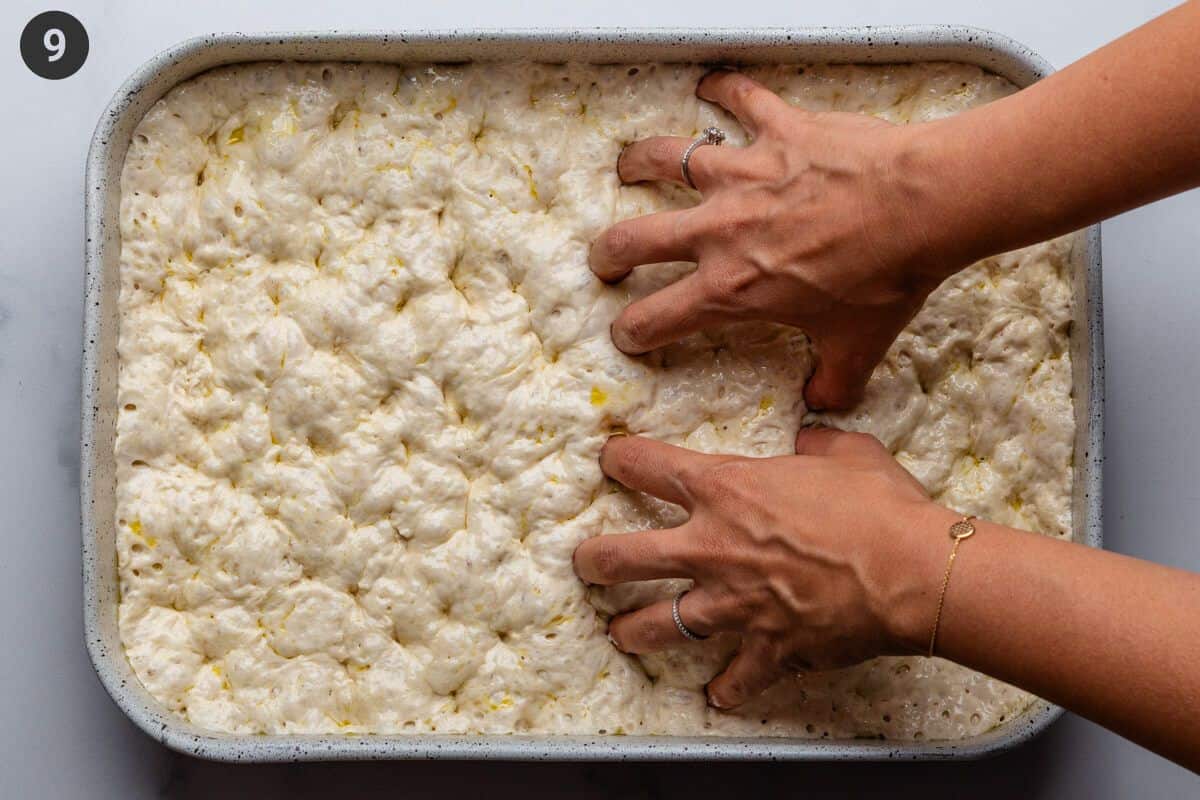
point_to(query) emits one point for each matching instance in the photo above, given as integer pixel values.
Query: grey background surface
(61, 737)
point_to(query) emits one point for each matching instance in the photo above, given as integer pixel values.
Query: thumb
(840, 379)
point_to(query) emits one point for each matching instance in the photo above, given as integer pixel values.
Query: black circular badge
(54, 45)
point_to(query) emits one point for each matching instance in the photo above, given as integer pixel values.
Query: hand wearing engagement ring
(807, 224)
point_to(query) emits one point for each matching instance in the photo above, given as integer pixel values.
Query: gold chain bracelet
(963, 529)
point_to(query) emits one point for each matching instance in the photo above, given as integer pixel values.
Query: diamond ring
(714, 136)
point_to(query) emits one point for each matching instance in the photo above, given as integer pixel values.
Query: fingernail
(812, 424)
(620, 156)
(620, 341)
(623, 343)
(714, 702)
(575, 568)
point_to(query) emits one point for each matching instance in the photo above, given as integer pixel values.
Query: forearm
(1115, 130)
(1110, 637)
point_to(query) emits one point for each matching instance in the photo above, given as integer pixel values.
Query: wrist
(933, 192)
(912, 573)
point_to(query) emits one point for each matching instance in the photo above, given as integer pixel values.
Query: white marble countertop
(61, 736)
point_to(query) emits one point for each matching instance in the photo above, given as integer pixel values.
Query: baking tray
(995, 53)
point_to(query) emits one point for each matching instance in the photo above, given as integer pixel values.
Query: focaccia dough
(365, 374)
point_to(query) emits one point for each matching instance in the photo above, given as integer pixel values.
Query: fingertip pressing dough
(365, 374)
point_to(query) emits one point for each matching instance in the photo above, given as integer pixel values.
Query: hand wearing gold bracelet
(806, 590)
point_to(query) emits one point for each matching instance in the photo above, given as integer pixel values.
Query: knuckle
(740, 88)
(689, 552)
(709, 550)
(635, 633)
(730, 227)
(723, 613)
(734, 476)
(781, 161)
(660, 152)
(647, 633)
(729, 283)
(703, 480)
(722, 484)
(702, 168)
(699, 616)
(772, 119)
(617, 241)
(744, 605)
(689, 228)
(607, 561)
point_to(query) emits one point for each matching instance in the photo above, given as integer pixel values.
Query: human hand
(816, 559)
(812, 225)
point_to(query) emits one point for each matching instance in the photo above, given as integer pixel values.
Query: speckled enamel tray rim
(800, 45)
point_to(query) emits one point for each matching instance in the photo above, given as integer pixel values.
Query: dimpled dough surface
(365, 374)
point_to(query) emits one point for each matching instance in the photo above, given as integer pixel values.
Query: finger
(819, 440)
(752, 103)
(653, 628)
(652, 466)
(639, 556)
(660, 158)
(642, 240)
(840, 379)
(673, 312)
(751, 673)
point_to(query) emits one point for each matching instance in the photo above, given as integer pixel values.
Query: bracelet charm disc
(962, 529)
